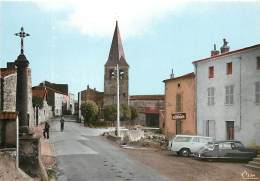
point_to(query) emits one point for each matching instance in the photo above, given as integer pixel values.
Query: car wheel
(185, 152)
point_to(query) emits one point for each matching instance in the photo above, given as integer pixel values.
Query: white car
(186, 144)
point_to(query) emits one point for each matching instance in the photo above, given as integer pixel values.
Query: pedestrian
(46, 130)
(61, 124)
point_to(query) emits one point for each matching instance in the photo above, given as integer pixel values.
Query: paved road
(83, 155)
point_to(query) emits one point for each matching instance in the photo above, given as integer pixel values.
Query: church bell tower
(116, 57)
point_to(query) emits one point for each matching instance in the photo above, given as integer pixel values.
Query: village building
(42, 111)
(92, 95)
(57, 97)
(148, 109)
(8, 91)
(179, 115)
(228, 94)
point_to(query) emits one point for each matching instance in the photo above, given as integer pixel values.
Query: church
(148, 106)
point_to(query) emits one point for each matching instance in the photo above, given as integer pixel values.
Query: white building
(60, 101)
(71, 103)
(228, 94)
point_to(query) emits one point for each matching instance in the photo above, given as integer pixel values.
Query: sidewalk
(47, 154)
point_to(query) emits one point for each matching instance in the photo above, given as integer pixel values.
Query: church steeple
(116, 56)
(116, 53)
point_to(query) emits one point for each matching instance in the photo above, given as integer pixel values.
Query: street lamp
(119, 75)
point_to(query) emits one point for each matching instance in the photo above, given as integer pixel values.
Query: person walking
(61, 124)
(46, 130)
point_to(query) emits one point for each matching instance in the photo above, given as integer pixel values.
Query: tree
(110, 113)
(37, 101)
(134, 113)
(125, 112)
(89, 110)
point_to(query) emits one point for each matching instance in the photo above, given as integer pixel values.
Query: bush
(110, 113)
(134, 113)
(89, 110)
(125, 112)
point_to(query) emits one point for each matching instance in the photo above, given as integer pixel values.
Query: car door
(226, 152)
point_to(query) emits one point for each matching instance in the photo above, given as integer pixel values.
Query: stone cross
(22, 35)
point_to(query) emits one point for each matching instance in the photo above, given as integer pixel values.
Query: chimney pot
(172, 74)
(214, 52)
(225, 47)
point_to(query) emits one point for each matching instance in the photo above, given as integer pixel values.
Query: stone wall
(146, 104)
(9, 95)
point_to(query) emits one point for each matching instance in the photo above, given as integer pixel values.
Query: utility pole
(118, 102)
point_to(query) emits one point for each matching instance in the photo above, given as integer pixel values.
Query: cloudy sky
(70, 40)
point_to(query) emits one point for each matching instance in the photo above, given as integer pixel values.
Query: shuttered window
(257, 92)
(211, 72)
(258, 63)
(229, 68)
(229, 100)
(211, 96)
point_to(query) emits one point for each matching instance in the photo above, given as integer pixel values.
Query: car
(229, 150)
(185, 145)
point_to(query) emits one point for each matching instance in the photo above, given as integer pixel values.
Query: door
(230, 130)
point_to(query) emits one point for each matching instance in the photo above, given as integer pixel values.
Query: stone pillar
(22, 93)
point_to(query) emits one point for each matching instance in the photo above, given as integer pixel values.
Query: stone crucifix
(22, 35)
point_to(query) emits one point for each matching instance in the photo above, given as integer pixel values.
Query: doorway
(230, 130)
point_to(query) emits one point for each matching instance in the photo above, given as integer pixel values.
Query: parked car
(187, 144)
(225, 150)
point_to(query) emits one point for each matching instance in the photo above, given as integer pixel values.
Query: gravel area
(180, 168)
(8, 171)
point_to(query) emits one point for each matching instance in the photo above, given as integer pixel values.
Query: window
(210, 128)
(230, 130)
(229, 68)
(196, 139)
(211, 93)
(182, 139)
(229, 95)
(257, 92)
(225, 146)
(211, 72)
(258, 63)
(178, 103)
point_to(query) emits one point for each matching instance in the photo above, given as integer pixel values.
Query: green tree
(134, 113)
(37, 101)
(89, 110)
(110, 113)
(125, 112)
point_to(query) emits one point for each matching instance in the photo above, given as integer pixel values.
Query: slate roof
(116, 54)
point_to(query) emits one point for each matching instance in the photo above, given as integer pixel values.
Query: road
(83, 155)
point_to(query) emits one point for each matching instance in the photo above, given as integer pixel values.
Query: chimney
(224, 48)
(172, 75)
(214, 52)
(87, 86)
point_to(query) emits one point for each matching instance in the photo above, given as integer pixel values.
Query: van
(185, 145)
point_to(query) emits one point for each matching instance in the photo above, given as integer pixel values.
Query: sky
(70, 40)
